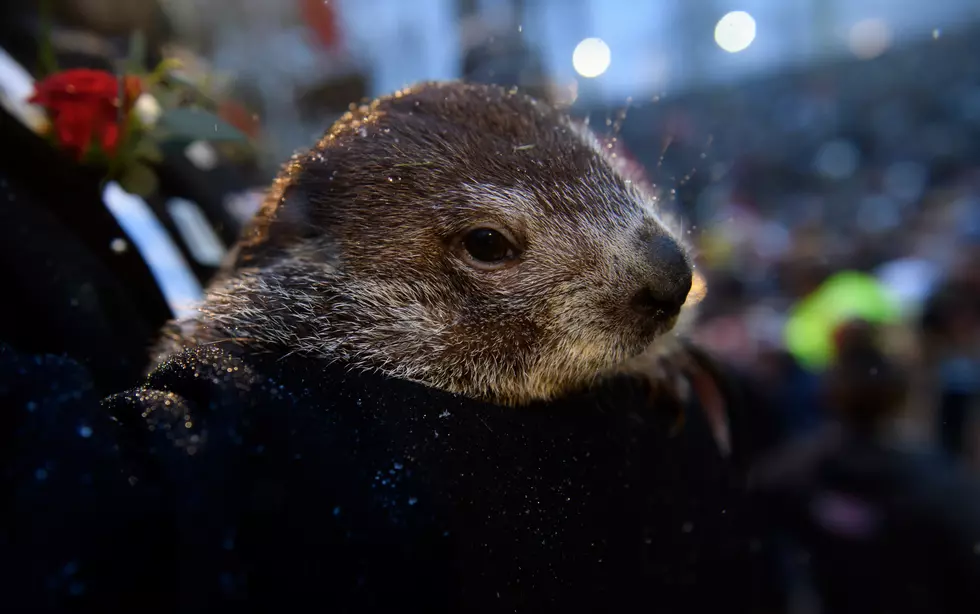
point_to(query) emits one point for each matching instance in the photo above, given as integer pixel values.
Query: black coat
(258, 484)
(65, 289)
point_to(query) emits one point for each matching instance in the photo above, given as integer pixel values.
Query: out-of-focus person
(887, 527)
(950, 326)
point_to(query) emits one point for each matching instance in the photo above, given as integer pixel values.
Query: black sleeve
(130, 504)
(752, 415)
(74, 533)
(753, 431)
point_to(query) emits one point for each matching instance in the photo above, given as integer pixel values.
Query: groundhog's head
(462, 236)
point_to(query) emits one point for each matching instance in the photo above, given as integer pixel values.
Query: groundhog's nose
(664, 296)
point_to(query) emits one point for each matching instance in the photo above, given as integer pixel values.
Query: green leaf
(183, 79)
(193, 125)
(168, 99)
(183, 83)
(136, 60)
(138, 179)
(163, 70)
(147, 150)
(47, 59)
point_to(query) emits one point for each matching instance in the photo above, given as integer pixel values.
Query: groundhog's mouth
(652, 329)
(650, 337)
(633, 346)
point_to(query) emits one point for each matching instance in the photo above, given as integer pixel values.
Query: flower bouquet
(117, 123)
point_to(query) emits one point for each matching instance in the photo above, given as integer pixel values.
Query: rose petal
(74, 84)
(110, 139)
(74, 125)
(84, 104)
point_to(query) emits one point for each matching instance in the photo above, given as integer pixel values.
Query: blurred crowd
(867, 167)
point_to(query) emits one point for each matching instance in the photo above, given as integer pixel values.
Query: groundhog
(465, 237)
(413, 390)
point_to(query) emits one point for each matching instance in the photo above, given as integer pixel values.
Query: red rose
(84, 104)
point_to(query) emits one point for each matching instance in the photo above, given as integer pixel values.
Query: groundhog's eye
(488, 248)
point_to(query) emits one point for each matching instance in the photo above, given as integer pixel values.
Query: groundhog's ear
(293, 218)
(297, 208)
(304, 198)
(285, 220)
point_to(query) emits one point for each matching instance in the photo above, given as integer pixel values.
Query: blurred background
(824, 154)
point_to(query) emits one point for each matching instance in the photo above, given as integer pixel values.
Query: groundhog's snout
(664, 295)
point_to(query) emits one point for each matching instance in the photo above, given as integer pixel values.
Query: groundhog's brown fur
(355, 254)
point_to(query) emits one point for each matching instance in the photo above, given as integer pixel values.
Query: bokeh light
(735, 31)
(870, 38)
(591, 57)
(837, 159)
